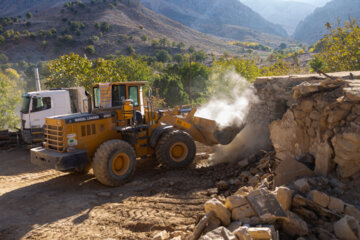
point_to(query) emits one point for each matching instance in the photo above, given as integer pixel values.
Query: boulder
(336, 205)
(294, 225)
(219, 209)
(284, 197)
(320, 198)
(245, 211)
(302, 185)
(221, 233)
(347, 228)
(235, 201)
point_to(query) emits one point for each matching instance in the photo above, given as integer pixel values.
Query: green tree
(179, 59)
(341, 50)
(162, 56)
(171, 89)
(164, 42)
(10, 97)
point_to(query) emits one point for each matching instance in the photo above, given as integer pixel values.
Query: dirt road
(45, 204)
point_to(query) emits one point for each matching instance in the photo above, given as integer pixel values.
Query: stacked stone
(325, 123)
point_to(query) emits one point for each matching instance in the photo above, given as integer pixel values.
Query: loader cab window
(118, 95)
(25, 106)
(133, 95)
(96, 97)
(40, 104)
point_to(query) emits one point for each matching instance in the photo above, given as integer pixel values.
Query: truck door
(41, 108)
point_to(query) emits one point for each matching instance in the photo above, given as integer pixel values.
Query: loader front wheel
(175, 149)
(114, 162)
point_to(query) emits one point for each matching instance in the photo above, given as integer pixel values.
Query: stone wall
(311, 119)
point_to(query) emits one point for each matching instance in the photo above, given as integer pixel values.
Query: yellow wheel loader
(119, 129)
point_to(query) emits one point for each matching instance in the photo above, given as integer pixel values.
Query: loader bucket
(213, 134)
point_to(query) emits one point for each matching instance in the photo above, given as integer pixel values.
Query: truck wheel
(114, 162)
(175, 149)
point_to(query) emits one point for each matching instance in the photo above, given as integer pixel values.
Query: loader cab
(110, 95)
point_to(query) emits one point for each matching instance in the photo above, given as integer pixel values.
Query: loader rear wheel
(114, 162)
(175, 149)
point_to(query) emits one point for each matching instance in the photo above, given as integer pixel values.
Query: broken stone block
(336, 205)
(163, 235)
(351, 210)
(263, 233)
(219, 209)
(290, 170)
(320, 198)
(284, 197)
(254, 180)
(302, 185)
(323, 159)
(243, 163)
(242, 233)
(234, 225)
(265, 205)
(235, 201)
(221, 233)
(243, 191)
(325, 235)
(307, 105)
(347, 228)
(212, 224)
(244, 211)
(294, 225)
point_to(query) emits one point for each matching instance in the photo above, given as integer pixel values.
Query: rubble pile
(301, 192)
(295, 211)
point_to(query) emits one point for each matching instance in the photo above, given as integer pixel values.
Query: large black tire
(175, 149)
(114, 162)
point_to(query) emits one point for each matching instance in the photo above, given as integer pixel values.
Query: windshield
(25, 104)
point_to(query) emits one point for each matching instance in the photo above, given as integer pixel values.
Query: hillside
(20, 7)
(59, 30)
(209, 16)
(286, 13)
(313, 27)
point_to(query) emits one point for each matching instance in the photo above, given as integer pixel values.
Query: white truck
(36, 106)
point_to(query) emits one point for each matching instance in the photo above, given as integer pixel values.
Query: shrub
(76, 26)
(32, 35)
(155, 43)
(2, 39)
(29, 15)
(97, 25)
(144, 38)
(130, 49)
(105, 26)
(3, 59)
(9, 33)
(44, 44)
(65, 38)
(90, 49)
(93, 39)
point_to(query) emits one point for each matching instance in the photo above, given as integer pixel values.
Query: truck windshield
(25, 104)
(96, 97)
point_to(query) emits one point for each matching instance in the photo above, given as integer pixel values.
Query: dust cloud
(232, 98)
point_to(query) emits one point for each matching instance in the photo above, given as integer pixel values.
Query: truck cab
(36, 106)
